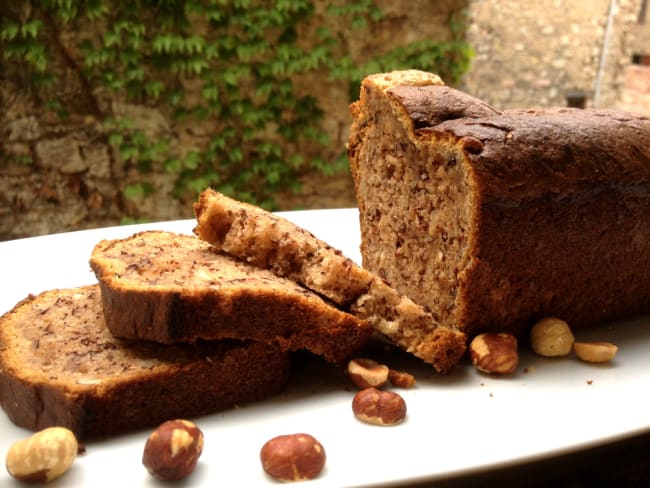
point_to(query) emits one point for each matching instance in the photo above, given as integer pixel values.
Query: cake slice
(169, 288)
(494, 219)
(271, 242)
(59, 365)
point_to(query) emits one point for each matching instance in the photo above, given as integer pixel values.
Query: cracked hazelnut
(401, 379)
(378, 407)
(494, 352)
(293, 457)
(551, 337)
(44, 456)
(173, 449)
(365, 372)
(595, 352)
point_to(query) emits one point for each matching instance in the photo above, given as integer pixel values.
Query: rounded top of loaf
(526, 153)
(408, 77)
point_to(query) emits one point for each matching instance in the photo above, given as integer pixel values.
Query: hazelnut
(595, 352)
(365, 372)
(44, 456)
(494, 352)
(377, 407)
(551, 337)
(401, 379)
(293, 457)
(173, 449)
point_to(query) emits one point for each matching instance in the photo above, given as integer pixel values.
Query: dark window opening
(576, 99)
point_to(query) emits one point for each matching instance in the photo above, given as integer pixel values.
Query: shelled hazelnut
(293, 457)
(551, 337)
(173, 449)
(364, 373)
(44, 456)
(493, 352)
(378, 407)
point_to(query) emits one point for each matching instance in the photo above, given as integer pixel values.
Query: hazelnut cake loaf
(271, 242)
(60, 366)
(493, 219)
(169, 288)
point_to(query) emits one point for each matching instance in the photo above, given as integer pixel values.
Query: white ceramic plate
(458, 424)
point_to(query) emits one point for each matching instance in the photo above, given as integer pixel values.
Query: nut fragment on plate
(494, 352)
(378, 407)
(551, 337)
(44, 456)
(364, 372)
(595, 352)
(401, 379)
(293, 457)
(173, 449)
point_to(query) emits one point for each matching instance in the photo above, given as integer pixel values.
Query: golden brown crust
(266, 240)
(171, 288)
(59, 365)
(493, 219)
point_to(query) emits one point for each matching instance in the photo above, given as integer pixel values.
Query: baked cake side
(170, 288)
(60, 366)
(493, 219)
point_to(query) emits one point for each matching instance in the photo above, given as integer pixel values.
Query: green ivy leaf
(173, 165)
(137, 191)
(239, 67)
(31, 29)
(192, 160)
(9, 31)
(115, 139)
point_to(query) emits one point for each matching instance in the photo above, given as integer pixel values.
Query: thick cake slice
(170, 288)
(271, 242)
(493, 219)
(59, 365)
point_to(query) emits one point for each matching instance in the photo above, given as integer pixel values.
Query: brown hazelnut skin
(378, 407)
(364, 373)
(172, 450)
(494, 352)
(293, 457)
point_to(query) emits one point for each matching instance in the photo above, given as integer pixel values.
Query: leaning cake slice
(271, 242)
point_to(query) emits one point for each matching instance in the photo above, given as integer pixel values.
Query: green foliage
(243, 55)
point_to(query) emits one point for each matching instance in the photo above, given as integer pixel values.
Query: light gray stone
(61, 154)
(23, 129)
(97, 159)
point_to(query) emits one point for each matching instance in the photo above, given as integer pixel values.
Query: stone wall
(536, 55)
(636, 95)
(61, 174)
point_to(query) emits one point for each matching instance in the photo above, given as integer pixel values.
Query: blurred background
(122, 111)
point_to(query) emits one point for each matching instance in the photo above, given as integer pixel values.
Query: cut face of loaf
(171, 288)
(271, 242)
(491, 219)
(60, 366)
